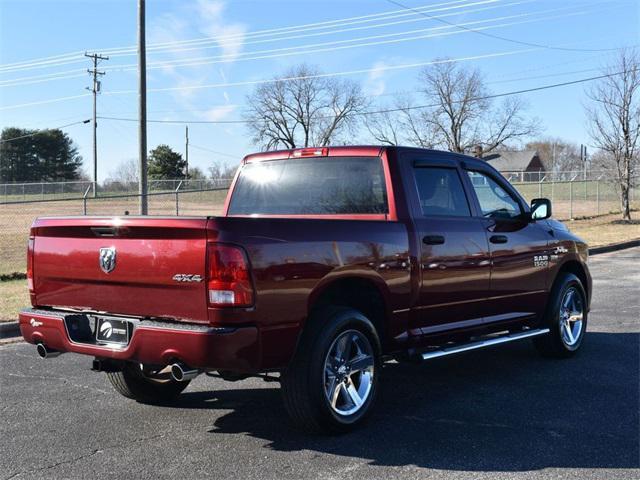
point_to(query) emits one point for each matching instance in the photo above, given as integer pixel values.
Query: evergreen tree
(164, 163)
(38, 156)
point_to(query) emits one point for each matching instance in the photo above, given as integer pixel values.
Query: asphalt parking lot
(500, 413)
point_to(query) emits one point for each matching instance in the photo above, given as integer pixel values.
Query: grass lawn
(606, 229)
(14, 296)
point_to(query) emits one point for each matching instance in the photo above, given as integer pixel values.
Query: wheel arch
(369, 295)
(575, 267)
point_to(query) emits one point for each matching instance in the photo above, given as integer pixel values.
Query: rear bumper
(153, 342)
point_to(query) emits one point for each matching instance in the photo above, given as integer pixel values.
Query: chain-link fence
(576, 199)
(570, 200)
(22, 192)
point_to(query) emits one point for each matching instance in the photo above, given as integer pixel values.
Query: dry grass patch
(14, 296)
(606, 229)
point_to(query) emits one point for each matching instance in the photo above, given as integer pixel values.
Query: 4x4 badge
(107, 259)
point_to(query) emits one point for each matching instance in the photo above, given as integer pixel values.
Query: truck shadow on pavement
(505, 409)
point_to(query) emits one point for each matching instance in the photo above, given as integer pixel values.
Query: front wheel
(331, 383)
(139, 383)
(566, 318)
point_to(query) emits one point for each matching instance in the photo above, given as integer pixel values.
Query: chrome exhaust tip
(183, 373)
(45, 352)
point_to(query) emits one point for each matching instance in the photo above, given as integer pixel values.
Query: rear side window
(308, 186)
(441, 193)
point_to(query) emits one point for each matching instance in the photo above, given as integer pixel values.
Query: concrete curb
(9, 329)
(612, 247)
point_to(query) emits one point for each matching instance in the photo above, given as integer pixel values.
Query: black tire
(303, 383)
(555, 344)
(132, 383)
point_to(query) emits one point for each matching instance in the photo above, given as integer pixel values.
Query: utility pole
(186, 150)
(142, 108)
(95, 89)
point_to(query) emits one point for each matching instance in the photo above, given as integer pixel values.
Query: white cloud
(220, 112)
(212, 24)
(205, 18)
(375, 83)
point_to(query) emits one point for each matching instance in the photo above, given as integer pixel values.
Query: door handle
(498, 239)
(433, 240)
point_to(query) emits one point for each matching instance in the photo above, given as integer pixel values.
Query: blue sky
(228, 46)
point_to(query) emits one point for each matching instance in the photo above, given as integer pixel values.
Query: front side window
(440, 192)
(311, 186)
(495, 201)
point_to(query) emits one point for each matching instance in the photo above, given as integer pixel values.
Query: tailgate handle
(104, 231)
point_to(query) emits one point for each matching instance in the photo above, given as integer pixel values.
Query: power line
(499, 37)
(244, 42)
(336, 45)
(45, 129)
(299, 50)
(326, 75)
(392, 110)
(212, 151)
(44, 102)
(76, 56)
(276, 52)
(191, 62)
(284, 79)
(174, 121)
(166, 47)
(276, 80)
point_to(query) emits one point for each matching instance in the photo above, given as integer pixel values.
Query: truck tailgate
(122, 265)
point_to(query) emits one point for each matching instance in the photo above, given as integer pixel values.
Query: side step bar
(465, 347)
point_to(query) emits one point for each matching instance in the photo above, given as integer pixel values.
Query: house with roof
(524, 165)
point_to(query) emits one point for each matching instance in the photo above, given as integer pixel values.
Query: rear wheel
(566, 318)
(145, 385)
(331, 383)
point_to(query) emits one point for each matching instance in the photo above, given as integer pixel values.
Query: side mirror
(540, 208)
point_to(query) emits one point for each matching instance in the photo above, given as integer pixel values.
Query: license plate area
(112, 331)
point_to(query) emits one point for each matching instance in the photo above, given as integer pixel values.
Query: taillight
(30, 263)
(228, 277)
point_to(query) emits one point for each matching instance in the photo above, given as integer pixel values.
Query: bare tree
(614, 121)
(222, 171)
(301, 109)
(401, 123)
(455, 113)
(126, 172)
(557, 155)
(462, 114)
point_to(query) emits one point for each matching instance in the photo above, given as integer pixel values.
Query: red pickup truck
(324, 264)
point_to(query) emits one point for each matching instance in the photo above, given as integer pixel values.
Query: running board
(465, 347)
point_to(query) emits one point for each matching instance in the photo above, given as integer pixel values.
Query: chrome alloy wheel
(349, 368)
(571, 317)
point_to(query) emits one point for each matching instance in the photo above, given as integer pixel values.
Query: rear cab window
(311, 186)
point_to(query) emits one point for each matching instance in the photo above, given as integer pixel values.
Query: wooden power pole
(186, 151)
(142, 109)
(95, 89)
